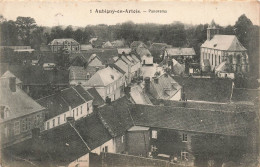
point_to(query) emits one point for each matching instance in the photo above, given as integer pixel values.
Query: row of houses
(185, 134)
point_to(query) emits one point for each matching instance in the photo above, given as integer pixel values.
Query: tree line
(25, 31)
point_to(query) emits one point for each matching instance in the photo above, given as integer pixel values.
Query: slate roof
(224, 42)
(104, 77)
(97, 99)
(18, 102)
(180, 51)
(78, 73)
(206, 89)
(116, 116)
(35, 75)
(63, 41)
(138, 96)
(166, 87)
(117, 68)
(193, 120)
(59, 103)
(8, 74)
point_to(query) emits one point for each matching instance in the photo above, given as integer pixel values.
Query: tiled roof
(224, 42)
(180, 51)
(240, 94)
(85, 47)
(217, 122)
(138, 96)
(141, 51)
(18, 102)
(159, 46)
(59, 103)
(35, 75)
(116, 117)
(166, 87)
(97, 99)
(206, 89)
(63, 41)
(8, 74)
(78, 73)
(126, 50)
(104, 77)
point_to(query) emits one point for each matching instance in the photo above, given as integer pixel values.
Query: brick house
(19, 113)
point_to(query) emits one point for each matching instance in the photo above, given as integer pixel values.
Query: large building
(70, 44)
(219, 49)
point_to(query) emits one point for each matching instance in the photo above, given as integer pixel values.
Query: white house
(145, 55)
(71, 102)
(108, 83)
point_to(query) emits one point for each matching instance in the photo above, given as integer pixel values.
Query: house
(64, 43)
(157, 51)
(179, 54)
(20, 114)
(205, 89)
(135, 44)
(145, 55)
(126, 51)
(138, 96)
(189, 136)
(78, 75)
(71, 102)
(97, 99)
(108, 82)
(38, 82)
(220, 48)
(223, 70)
(163, 87)
(130, 64)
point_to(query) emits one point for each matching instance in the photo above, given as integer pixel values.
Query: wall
(120, 144)
(24, 125)
(63, 116)
(109, 144)
(148, 60)
(138, 143)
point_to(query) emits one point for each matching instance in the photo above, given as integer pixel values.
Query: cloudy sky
(79, 13)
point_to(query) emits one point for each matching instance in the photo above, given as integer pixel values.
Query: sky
(84, 13)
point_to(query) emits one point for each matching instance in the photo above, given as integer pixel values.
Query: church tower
(212, 30)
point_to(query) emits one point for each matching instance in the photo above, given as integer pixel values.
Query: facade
(65, 43)
(108, 83)
(71, 102)
(130, 64)
(223, 48)
(145, 55)
(20, 114)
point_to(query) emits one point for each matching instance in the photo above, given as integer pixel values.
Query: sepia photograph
(129, 83)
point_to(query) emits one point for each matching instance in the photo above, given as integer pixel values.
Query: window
(77, 111)
(87, 106)
(212, 59)
(80, 109)
(23, 125)
(73, 112)
(48, 125)
(184, 156)
(154, 134)
(58, 120)
(53, 122)
(17, 128)
(219, 59)
(106, 149)
(64, 117)
(184, 137)
(122, 139)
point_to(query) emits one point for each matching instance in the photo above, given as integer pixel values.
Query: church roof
(224, 42)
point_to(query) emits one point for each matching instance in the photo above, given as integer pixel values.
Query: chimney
(97, 68)
(12, 84)
(71, 120)
(108, 100)
(147, 84)
(123, 53)
(156, 80)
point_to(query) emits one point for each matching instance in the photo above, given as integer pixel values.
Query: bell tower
(212, 30)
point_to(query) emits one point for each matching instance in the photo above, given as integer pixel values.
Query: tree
(8, 33)
(68, 32)
(38, 38)
(25, 26)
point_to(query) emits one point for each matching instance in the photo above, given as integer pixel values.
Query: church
(223, 53)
